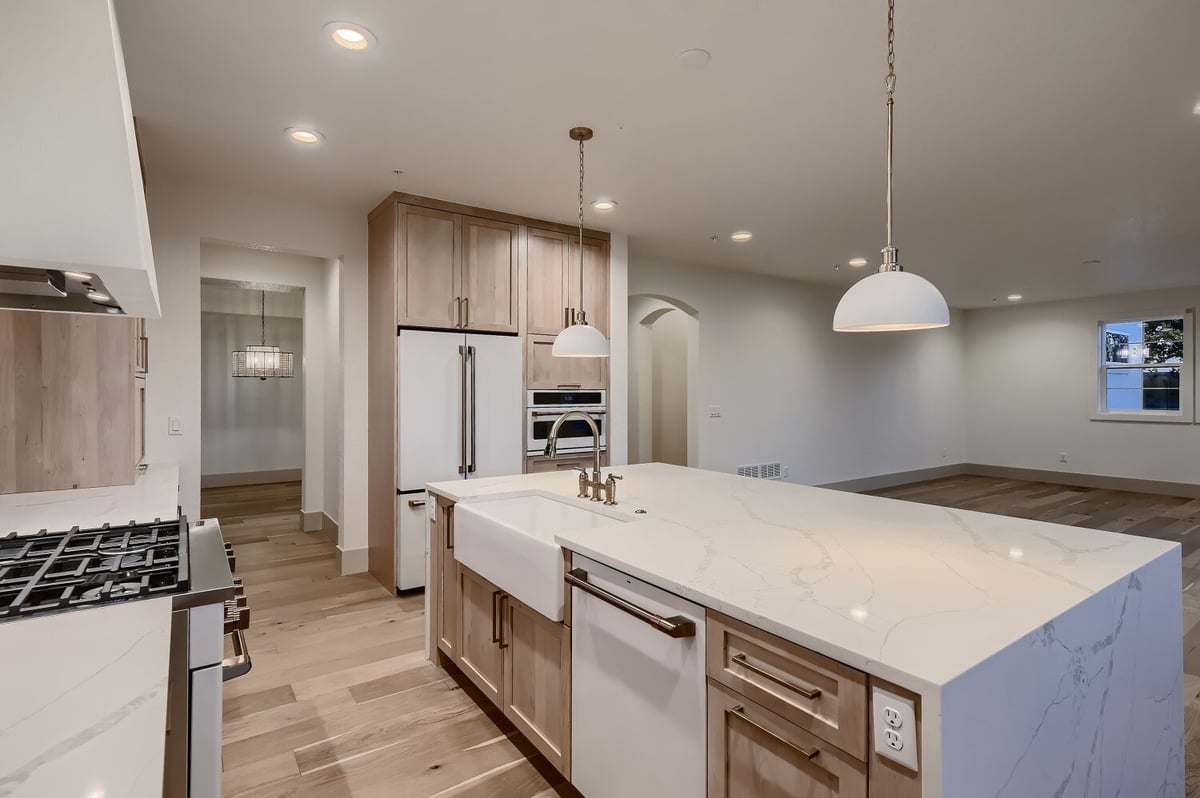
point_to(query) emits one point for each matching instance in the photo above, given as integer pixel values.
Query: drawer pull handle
(807, 692)
(415, 503)
(807, 753)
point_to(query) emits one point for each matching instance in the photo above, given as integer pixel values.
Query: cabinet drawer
(754, 752)
(821, 696)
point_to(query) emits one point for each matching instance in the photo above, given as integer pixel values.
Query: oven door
(574, 436)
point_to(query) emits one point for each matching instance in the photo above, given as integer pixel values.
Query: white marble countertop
(155, 494)
(912, 593)
(85, 702)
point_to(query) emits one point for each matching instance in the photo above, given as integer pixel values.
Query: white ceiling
(1031, 136)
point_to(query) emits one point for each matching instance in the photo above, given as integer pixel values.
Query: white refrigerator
(458, 416)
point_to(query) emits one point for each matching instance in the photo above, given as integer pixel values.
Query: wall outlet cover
(894, 727)
(714, 411)
(174, 425)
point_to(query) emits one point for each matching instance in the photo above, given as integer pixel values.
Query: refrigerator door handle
(462, 410)
(471, 462)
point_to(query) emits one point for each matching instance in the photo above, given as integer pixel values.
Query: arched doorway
(664, 342)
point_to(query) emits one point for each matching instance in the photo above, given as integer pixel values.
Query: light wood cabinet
(537, 679)
(141, 348)
(67, 401)
(428, 262)
(489, 275)
(521, 660)
(544, 370)
(455, 271)
(754, 752)
(444, 593)
(553, 292)
(481, 634)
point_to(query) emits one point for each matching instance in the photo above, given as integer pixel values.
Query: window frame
(1187, 380)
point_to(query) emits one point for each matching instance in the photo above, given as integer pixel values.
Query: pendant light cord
(580, 313)
(263, 317)
(889, 254)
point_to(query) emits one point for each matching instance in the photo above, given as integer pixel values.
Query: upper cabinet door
(489, 275)
(546, 290)
(595, 281)
(428, 283)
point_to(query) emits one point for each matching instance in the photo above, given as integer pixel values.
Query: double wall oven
(544, 407)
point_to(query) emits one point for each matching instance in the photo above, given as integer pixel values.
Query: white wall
(224, 262)
(249, 425)
(181, 215)
(331, 342)
(831, 406)
(618, 341)
(1032, 387)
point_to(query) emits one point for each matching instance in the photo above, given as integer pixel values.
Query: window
(1145, 368)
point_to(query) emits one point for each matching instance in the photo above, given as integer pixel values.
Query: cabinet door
(489, 275)
(428, 266)
(481, 633)
(537, 675)
(546, 281)
(446, 613)
(543, 370)
(595, 281)
(754, 752)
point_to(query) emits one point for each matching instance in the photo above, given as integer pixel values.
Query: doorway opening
(664, 347)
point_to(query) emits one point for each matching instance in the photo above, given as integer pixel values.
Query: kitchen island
(1043, 659)
(84, 692)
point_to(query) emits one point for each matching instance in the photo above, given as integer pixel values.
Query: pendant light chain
(890, 259)
(580, 315)
(263, 317)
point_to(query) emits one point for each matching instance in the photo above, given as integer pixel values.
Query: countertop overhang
(913, 593)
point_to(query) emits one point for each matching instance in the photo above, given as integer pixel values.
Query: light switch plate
(894, 727)
(174, 425)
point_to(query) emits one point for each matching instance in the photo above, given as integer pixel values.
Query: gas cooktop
(55, 571)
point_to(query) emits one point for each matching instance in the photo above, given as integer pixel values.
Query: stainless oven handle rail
(239, 664)
(676, 626)
(564, 412)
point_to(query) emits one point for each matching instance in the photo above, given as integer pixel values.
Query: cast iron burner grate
(55, 571)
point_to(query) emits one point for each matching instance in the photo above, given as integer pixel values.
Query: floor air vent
(761, 471)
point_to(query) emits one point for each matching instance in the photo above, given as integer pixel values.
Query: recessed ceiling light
(349, 35)
(305, 135)
(96, 296)
(742, 236)
(1015, 297)
(857, 262)
(79, 275)
(604, 205)
(695, 58)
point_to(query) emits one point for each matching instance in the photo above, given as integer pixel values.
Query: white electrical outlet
(714, 411)
(894, 727)
(1062, 457)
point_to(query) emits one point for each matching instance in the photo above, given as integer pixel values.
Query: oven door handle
(239, 664)
(564, 412)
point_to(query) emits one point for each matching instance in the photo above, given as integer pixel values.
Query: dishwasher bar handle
(676, 626)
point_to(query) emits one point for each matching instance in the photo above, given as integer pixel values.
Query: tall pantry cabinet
(437, 265)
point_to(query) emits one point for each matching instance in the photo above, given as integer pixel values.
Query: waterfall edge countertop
(153, 495)
(84, 692)
(913, 593)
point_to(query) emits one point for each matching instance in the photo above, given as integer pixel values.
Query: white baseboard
(864, 484)
(352, 561)
(250, 478)
(1185, 489)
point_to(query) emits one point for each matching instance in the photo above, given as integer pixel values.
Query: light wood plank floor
(1163, 517)
(340, 702)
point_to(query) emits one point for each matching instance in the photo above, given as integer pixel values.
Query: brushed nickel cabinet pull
(495, 615)
(677, 626)
(807, 753)
(466, 307)
(807, 692)
(503, 615)
(415, 503)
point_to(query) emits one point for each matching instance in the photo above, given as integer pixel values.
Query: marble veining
(914, 593)
(84, 697)
(154, 494)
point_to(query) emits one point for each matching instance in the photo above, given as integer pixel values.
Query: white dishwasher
(638, 695)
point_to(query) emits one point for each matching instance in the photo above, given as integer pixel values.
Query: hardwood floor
(340, 702)
(1163, 517)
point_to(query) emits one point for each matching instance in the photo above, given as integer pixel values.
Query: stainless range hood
(23, 288)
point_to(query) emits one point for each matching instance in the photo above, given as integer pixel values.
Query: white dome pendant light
(580, 339)
(891, 299)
